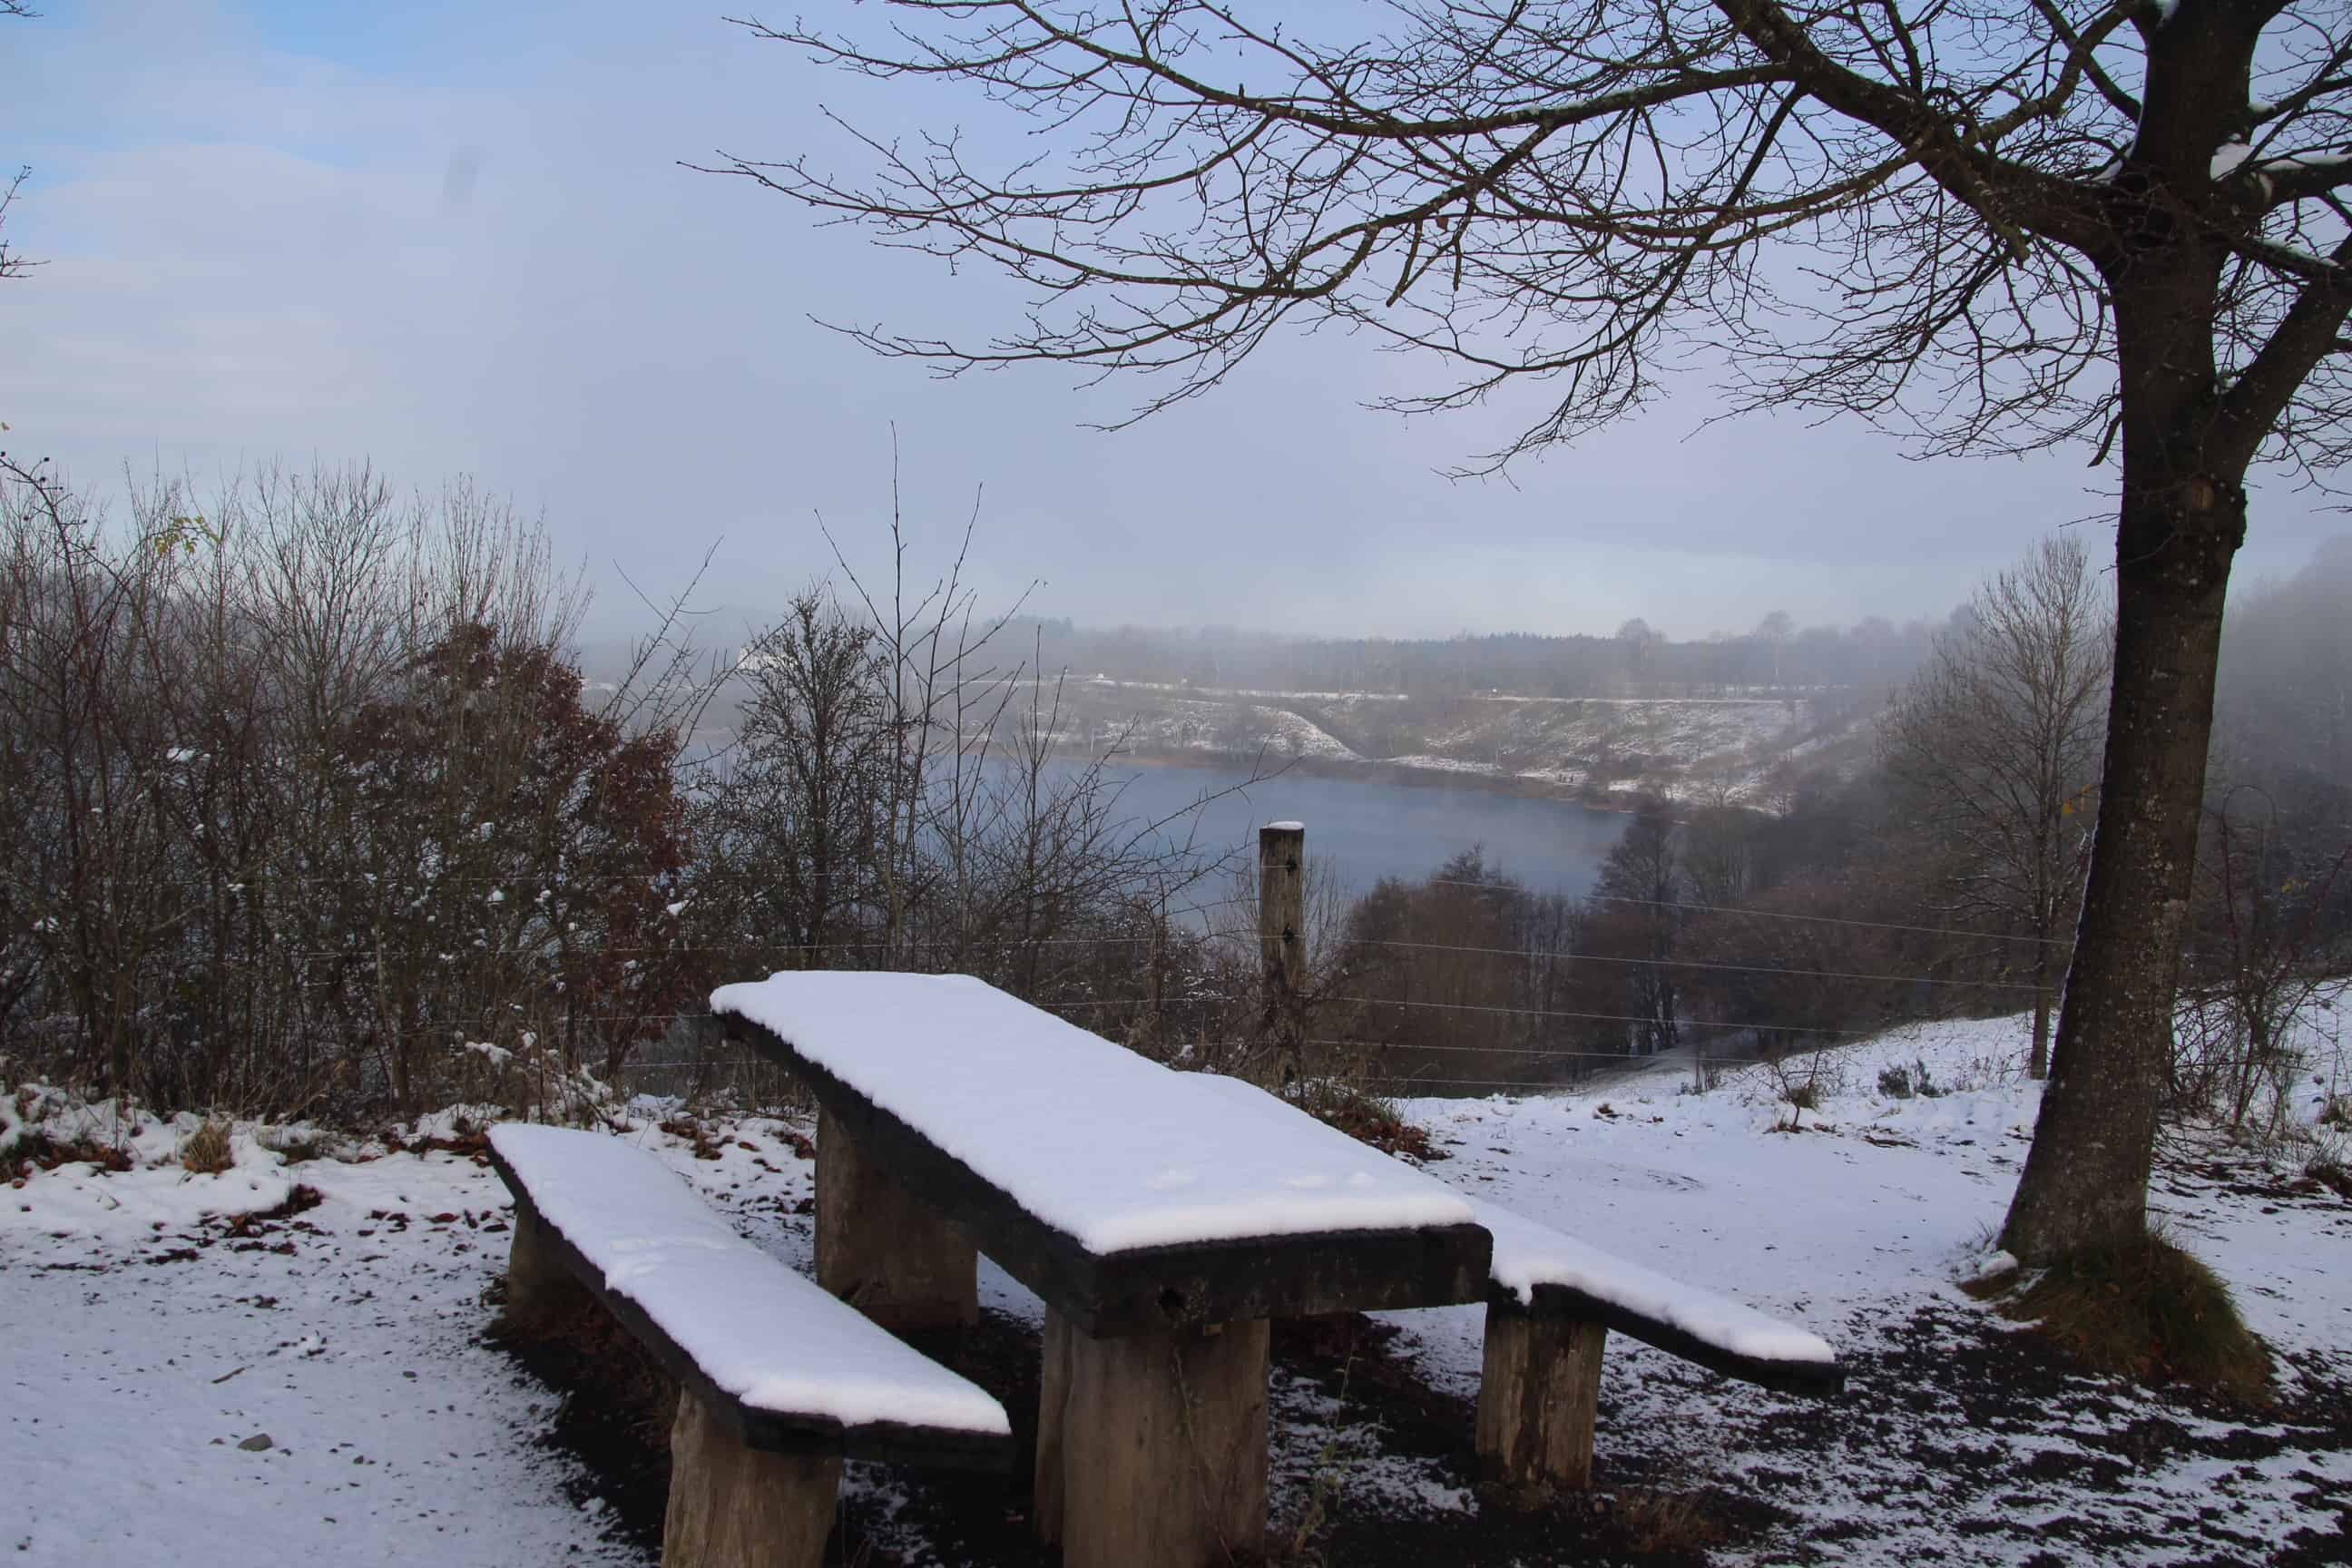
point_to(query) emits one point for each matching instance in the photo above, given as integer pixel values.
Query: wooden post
(1053, 1401)
(1282, 940)
(1163, 1441)
(882, 1249)
(540, 1289)
(1539, 1401)
(733, 1507)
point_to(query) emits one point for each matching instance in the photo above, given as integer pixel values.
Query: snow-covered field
(148, 1334)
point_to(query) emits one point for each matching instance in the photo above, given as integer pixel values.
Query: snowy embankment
(149, 1333)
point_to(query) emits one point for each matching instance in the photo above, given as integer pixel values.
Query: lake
(1367, 828)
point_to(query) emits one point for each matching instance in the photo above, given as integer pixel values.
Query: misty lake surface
(1368, 828)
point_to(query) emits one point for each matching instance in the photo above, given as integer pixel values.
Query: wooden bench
(1550, 1303)
(1551, 1300)
(1162, 1216)
(777, 1381)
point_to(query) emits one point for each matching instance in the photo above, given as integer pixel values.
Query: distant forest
(1636, 662)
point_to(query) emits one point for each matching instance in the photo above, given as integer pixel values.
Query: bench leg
(733, 1507)
(1539, 1401)
(1162, 1443)
(540, 1289)
(1053, 1401)
(883, 1250)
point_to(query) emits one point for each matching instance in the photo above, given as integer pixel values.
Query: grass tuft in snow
(2329, 1169)
(1898, 1082)
(208, 1150)
(1367, 1117)
(2147, 1310)
(37, 1149)
(1668, 1524)
(294, 1146)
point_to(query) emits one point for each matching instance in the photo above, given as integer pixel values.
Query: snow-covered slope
(1713, 747)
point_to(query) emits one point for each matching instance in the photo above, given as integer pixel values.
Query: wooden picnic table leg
(1163, 1445)
(1538, 1400)
(733, 1507)
(884, 1250)
(1053, 1401)
(540, 1289)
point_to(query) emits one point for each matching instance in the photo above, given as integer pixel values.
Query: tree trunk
(2086, 1179)
(2037, 1066)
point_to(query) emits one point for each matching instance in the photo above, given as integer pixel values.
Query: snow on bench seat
(1109, 1147)
(1541, 1271)
(758, 1335)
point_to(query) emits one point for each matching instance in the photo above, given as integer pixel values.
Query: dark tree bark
(2086, 1175)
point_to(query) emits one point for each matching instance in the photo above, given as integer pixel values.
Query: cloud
(467, 244)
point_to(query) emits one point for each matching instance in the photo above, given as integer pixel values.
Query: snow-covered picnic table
(1131, 1197)
(1161, 1219)
(1164, 1218)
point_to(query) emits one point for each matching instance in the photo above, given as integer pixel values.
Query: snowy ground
(144, 1342)
(1856, 1226)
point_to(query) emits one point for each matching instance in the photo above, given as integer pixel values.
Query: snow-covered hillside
(1725, 748)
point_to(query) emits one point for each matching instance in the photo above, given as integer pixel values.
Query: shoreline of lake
(1381, 770)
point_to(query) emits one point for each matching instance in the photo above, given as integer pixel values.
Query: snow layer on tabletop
(1527, 1255)
(1113, 1150)
(761, 1332)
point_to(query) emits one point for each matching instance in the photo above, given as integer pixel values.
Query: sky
(455, 238)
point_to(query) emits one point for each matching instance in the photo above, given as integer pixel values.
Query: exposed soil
(1958, 1425)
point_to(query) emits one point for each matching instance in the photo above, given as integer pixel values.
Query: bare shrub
(305, 793)
(1898, 1082)
(1803, 1081)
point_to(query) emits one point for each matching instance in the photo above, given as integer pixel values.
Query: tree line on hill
(1637, 660)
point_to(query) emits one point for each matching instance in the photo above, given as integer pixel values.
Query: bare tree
(13, 263)
(1995, 749)
(2267, 957)
(1775, 630)
(2005, 225)
(1639, 639)
(1639, 890)
(801, 816)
